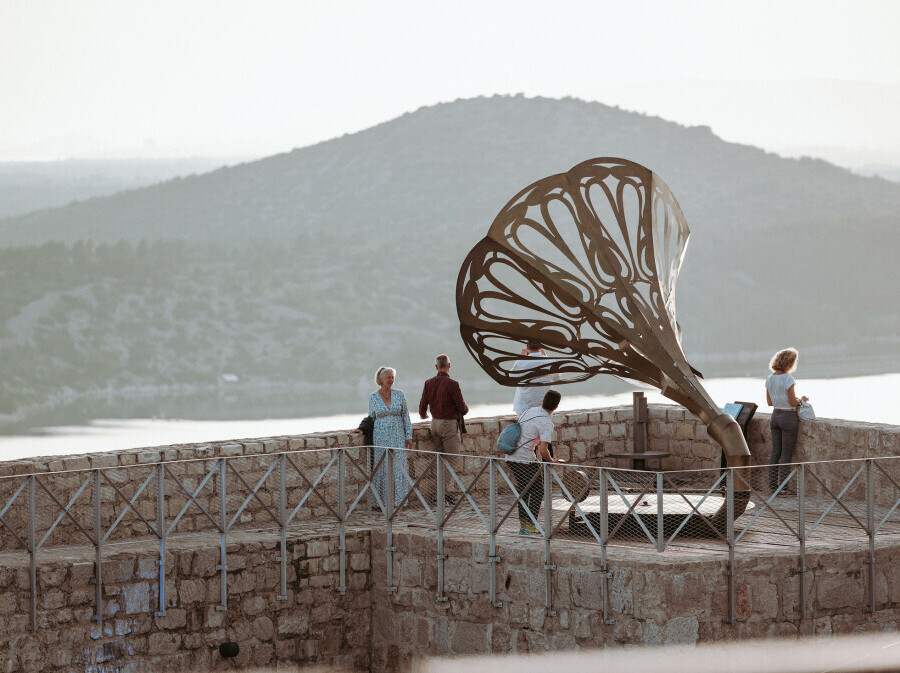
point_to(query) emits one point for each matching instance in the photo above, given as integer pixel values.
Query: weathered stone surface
(653, 598)
(136, 597)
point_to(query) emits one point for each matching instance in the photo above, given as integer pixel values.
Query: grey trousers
(784, 426)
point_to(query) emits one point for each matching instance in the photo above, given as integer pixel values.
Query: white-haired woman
(781, 395)
(393, 429)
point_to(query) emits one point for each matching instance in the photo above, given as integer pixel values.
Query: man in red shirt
(443, 395)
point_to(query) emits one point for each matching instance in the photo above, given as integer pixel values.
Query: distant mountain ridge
(321, 263)
(462, 159)
(29, 186)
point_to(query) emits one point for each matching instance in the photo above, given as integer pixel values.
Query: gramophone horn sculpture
(586, 263)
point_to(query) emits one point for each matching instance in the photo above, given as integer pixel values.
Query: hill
(319, 264)
(27, 186)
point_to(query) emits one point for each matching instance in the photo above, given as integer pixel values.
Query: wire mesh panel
(632, 505)
(412, 479)
(312, 487)
(253, 491)
(771, 513)
(14, 514)
(886, 496)
(64, 509)
(835, 500)
(695, 506)
(466, 492)
(577, 509)
(359, 502)
(129, 500)
(192, 491)
(519, 498)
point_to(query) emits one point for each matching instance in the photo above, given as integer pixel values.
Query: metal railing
(331, 491)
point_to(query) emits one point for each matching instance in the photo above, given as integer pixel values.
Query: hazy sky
(93, 78)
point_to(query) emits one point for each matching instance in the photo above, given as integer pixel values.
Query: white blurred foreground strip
(867, 653)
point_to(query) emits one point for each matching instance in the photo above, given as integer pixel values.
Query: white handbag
(805, 411)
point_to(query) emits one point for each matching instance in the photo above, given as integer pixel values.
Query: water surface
(874, 399)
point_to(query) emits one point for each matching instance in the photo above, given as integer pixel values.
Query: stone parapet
(583, 437)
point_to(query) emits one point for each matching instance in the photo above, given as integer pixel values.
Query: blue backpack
(508, 441)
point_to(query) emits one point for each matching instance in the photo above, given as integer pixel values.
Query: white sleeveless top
(777, 386)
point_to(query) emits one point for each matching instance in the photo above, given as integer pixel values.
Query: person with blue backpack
(530, 397)
(535, 435)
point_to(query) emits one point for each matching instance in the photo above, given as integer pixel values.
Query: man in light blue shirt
(531, 396)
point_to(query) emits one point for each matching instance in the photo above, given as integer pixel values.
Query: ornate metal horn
(586, 263)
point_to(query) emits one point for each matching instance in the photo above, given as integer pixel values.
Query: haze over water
(873, 399)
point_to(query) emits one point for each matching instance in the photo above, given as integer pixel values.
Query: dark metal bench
(639, 455)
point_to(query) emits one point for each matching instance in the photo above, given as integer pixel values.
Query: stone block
(77, 463)
(101, 460)
(684, 431)
(51, 576)
(316, 548)
(136, 597)
(175, 618)
(294, 622)
(8, 603)
(52, 600)
(145, 457)
(191, 591)
(490, 427)
(117, 571)
(263, 628)
(253, 605)
(252, 448)
(469, 638)
(163, 643)
(840, 590)
(227, 450)
(213, 619)
(204, 562)
(682, 630)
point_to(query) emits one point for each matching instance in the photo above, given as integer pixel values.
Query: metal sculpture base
(676, 508)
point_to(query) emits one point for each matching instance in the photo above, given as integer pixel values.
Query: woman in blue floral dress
(392, 429)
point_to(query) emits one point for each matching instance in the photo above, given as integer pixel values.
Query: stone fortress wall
(653, 598)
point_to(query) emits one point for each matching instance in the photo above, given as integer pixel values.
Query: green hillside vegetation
(317, 265)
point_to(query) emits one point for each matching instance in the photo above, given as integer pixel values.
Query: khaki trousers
(445, 439)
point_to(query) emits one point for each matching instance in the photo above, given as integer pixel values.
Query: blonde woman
(393, 429)
(781, 395)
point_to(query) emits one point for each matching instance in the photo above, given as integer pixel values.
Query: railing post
(439, 509)
(549, 567)
(98, 558)
(493, 558)
(161, 523)
(389, 547)
(282, 517)
(801, 528)
(32, 542)
(223, 537)
(870, 526)
(605, 575)
(729, 535)
(660, 514)
(342, 515)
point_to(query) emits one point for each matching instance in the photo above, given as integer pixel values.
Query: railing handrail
(422, 452)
